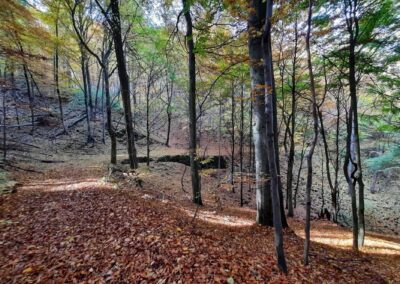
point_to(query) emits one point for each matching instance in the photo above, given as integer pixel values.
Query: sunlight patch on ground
(214, 218)
(67, 185)
(373, 245)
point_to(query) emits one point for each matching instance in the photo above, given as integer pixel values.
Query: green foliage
(390, 158)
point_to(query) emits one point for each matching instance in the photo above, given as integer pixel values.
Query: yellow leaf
(27, 270)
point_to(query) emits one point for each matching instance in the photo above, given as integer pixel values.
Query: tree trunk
(289, 177)
(169, 111)
(352, 11)
(241, 143)
(196, 185)
(89, 86)
(263, 195)
(271, 116)
(56, 78)
(85, 91)
(30, 96)
(124, 81)
(233, 137)
(148, 119)
(110, 128)
(315, 138)
(4, 120)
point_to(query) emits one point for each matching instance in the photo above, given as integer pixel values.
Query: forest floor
(72, 223)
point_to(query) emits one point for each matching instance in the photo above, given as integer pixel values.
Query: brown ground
(70, 224)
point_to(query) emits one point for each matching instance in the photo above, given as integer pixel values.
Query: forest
(199, 141)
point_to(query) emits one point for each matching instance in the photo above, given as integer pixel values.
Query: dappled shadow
(335, 236)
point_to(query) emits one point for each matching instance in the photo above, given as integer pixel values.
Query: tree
(310, 153)
(114, 21)
(194, 167)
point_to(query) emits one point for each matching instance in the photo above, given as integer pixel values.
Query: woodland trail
(68, 225)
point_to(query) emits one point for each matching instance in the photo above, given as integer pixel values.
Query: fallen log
(208, 162)
(62, 131)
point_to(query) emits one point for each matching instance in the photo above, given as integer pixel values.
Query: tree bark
(196, 185)
(271, 116)
(315, 138)
(124, 81)
(241, 142)
(289, 177)
(56, 76)
(256, 20)
(233, 137)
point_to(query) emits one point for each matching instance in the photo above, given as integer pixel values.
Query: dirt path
(69, 225)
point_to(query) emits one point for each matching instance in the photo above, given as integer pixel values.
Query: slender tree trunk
(56, 78)
(351, 11)
(289, 177)
(169, 112)
(241, 143)
(233, 137)
(300, 166)
(196, 185)
(13, 95)
(263, 194)
(272, 146)
(148, 119)
(89, 86)
(85, 91)
(315, 138)
(124, 81)
(110, 127)
(4, 120)
(30, 96)
(251, 167)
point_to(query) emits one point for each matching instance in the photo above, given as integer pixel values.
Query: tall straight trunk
(56, 78)
(13, 95)
(263, 194)
(196, 185)
(251, 139)
(303, 148)
(276, 130)
(233, 137)
(326, 153)
(124, 81)
(315, 138)
(4, 120)
(89, 86)
(85, 91)
(241, 143)
(110, 127)
(272, 146)
(103, 121)
(219, 139)
(335, 193)
(30, 95)
(289, 176)
(148, 119)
